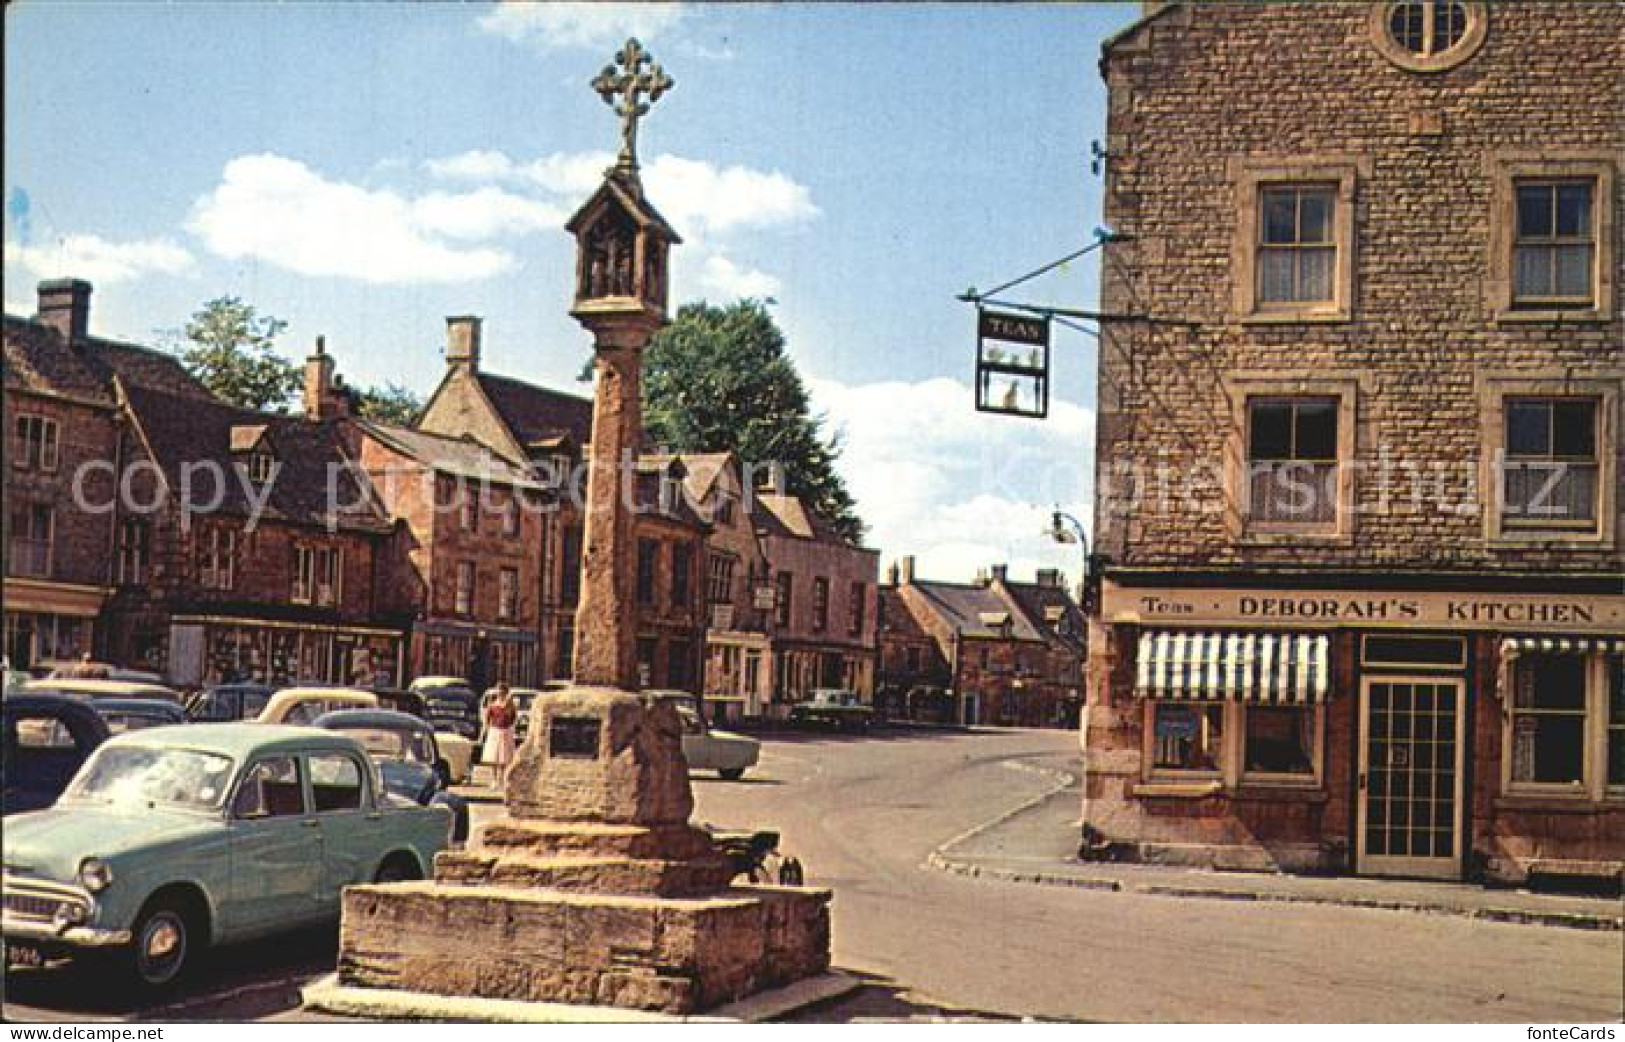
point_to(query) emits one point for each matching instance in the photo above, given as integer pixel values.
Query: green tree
(718, 379)
(390, 403)
(230, 347)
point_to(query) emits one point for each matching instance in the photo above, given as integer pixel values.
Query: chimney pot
(1001, 572)
(64, 305)
(906, 570)
(463, 342)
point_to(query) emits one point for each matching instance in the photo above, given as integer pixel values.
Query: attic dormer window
(259, 466)
(1429, 35)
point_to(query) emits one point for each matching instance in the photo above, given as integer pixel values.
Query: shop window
(1549, 720)
(820, 604)
(507, 594)
(1551, 468)
(1292, 455)
(1616, 722)
(648, 567)
(1554, 245)
(1279, 740)
(1187, 738)
(35, 445)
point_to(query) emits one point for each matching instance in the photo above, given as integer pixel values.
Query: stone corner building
(1359, 441)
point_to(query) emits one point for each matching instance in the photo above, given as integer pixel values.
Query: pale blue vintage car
(173, 839)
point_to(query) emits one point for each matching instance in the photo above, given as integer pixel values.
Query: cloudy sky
(363, 170)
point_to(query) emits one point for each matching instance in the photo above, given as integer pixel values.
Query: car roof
(29, 701)
(379, 718)
(439, 682)
(238, 740)
(105, 688)
(240, 686)
(160, 706)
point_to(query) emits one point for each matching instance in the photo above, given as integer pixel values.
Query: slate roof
(462, 457)
(964, 607)
(181, 429)
(786, 516)
(1041, 603)
(537, 414)
(701, 469)
(898, 615)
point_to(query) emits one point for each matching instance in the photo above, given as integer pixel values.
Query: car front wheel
(731, 773)
(163, 946)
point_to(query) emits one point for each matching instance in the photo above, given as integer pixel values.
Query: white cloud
(730, 280)
(592, 25)
(958, 489)
(701, 197)
(574, 174)
(280, 211)
(484, 213)
(100, 260)
(476, 165)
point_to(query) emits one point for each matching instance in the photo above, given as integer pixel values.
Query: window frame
(820, 606)
(41, 563)
(1495, 391)
(134, 551)
(1297, 247)
(1294, 403)
(1553, 242)
(1250, 179)
(647, 579)
(1506, 171)
(1231, 772)
(784, 588)
(1593, 786)
(1594, 461)
(1472, 39)
(36, 442)
(507, 594)
(857, 609)
(1245, 386)
(462, 592)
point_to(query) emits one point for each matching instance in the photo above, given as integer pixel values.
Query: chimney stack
(1001, 573)
(64, 305)
(324, 400)
(905, 570)
(463, 342)
(891, 574)
(1049, 578)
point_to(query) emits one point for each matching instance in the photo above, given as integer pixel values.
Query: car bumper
(53, 915)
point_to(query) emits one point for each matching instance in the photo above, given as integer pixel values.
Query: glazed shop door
(1409, 819)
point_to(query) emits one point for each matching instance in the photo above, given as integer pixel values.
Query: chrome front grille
(28, 906)
(28, 900)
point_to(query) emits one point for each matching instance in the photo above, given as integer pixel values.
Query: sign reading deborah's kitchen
(1455, 611)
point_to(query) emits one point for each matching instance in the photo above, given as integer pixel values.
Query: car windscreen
(393, 743)
(118, 722)
(141, 774)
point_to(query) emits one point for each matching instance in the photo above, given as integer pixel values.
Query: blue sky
(363, 170)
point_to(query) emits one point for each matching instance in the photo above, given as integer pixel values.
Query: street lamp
(1064, 528)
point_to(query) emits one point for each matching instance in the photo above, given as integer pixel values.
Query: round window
(1429, 35)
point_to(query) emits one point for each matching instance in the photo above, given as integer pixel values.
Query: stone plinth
(595, 890)
(671, 955)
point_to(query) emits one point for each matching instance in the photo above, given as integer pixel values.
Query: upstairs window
(510, 514)
(720, 579)
(33, 536)
(1554, 248)
(134, 550)
(1551, 470)
(34, 446)
(682, 558)
(1428, 35)
(317, 574)
(854, 621)
(820, 604)
(1292, 461)
(1297, 248)
(463, 593)
(217, 558)
(784, 589)
(508, 594)
(648, 565)
(570, 565)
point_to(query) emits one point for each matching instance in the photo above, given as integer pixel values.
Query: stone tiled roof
(786, 516)
(38, 359)
(181, 429)
(462, 457)
(964, 607)
(898, 615)
(145, 367)
(1042, 603)
(538, 414)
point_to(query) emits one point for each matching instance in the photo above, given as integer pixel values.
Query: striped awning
(1512, 646)
(1278, 668)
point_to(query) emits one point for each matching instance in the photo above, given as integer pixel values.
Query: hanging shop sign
(1012, 363)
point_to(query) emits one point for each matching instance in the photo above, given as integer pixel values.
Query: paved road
(864, 813)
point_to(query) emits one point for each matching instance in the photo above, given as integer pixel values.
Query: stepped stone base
(672, 955)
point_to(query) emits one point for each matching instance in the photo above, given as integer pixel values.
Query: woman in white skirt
(500, 717)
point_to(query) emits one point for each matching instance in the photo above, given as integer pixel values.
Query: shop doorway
(1409, 812)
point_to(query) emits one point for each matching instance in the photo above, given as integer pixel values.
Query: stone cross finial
(622, 90)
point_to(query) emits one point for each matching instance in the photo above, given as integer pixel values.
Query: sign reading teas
(1449, 611)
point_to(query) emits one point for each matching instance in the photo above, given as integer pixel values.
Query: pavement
(1036, 843)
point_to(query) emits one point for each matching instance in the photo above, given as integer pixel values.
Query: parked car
(833, 707)
(47, 737)
(403, 746)
(452, 707)
(136, 714)
(302, 705)
(98, 689)
(228, 703)
(730, 755)
(170, 841)
(401, 700)
(59, 669)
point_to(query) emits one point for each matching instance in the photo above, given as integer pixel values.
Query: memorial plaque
(573, 737)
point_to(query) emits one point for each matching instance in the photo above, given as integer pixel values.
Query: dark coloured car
(453, 708)
(136, 714)
(401, 700)
(47, 737)
(404, 748)
(228, 703)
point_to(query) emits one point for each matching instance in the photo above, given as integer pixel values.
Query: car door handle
(310, 823)
(375, 816)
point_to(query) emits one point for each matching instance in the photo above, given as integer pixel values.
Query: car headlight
(95, 874)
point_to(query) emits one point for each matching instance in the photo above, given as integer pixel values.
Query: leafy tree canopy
(230, 347)
(391, 403)
(718, 379)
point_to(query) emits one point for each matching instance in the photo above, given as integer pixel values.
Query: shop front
(482, 655)
(1424, 734)
(206, 650)
(50, 621)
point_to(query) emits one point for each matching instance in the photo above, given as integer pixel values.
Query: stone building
(249, 545)
(1011, 654)
(546, 432)
(1359, 441)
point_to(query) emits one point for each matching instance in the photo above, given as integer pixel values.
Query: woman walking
(500, 717)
